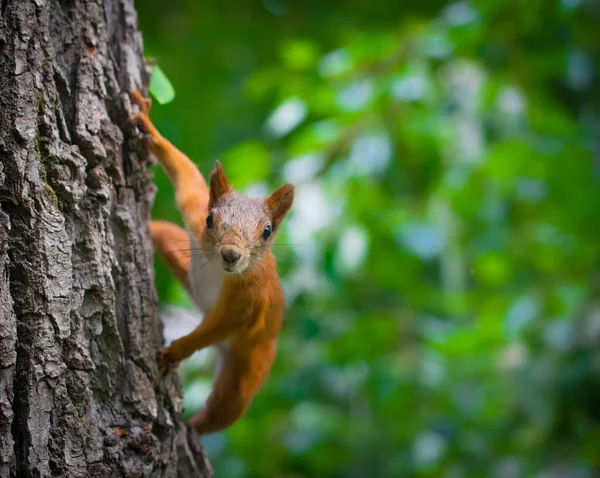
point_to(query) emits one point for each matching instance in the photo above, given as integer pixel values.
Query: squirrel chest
(206, 278)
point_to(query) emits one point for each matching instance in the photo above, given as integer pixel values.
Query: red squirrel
(231, 276)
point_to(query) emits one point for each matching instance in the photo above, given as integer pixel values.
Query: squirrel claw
(141, 120)
(167, 362)
(136, 118)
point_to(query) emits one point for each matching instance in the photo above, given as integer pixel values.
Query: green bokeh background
(441, 261)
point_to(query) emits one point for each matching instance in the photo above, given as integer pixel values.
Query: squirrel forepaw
(144, 104)
(168, 360)
(143, 122)
(136, 118)
(141, 118)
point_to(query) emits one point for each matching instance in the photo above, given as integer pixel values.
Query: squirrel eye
(209, 220)
(267, 232)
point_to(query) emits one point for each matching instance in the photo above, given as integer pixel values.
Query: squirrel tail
(227, 401)
(172, 243)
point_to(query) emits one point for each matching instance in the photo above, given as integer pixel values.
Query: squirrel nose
(230, 255)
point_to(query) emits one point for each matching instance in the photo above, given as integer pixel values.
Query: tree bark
(79, 328)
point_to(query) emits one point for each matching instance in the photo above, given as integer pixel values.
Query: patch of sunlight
(371, 154)
(335, 63)
(258, 190)
(352, 249)
(303, 168)
(286, 117)
(312, 212)
(195, 394)
(459, 14)
(421, 239)
(428, 448)
(356, 96)
(511, 101)
(411, 87)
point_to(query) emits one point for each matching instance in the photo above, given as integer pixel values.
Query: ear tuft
(279, 204)
(218, 184)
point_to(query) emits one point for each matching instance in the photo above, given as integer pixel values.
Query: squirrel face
(239, 230)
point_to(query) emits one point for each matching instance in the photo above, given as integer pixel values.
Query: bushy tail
(230, 396)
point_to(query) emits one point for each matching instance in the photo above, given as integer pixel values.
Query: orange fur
(191, 188)
(247, 314)
(172, 243)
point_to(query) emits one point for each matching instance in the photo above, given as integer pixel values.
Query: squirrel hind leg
(225, 404)
(173, 244)
(217, 416)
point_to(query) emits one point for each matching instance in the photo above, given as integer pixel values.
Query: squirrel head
(239, 230)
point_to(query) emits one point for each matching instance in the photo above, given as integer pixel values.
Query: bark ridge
(79, 328)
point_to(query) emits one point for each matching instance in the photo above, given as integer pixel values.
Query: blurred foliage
(441, 261)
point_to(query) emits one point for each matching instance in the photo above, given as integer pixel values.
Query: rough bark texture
(79, 329)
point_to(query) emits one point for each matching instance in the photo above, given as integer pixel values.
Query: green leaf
(160, 86)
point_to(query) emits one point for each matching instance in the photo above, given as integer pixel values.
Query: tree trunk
(79, 328)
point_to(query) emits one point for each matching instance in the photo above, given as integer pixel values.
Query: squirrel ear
(218, 183)
(279, 204)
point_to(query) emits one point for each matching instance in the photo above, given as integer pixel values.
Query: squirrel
(231, 276)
